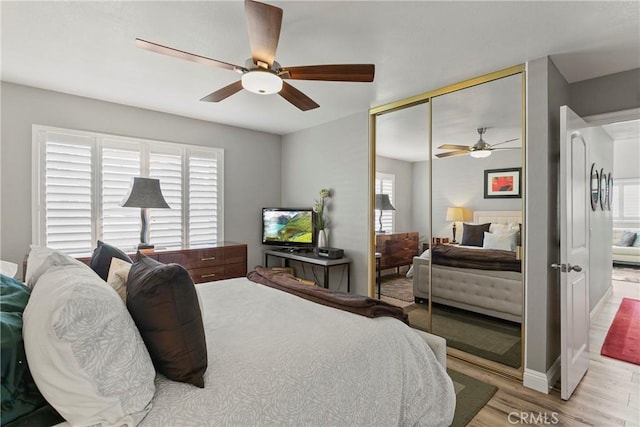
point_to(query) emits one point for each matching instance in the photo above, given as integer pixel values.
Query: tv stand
(311, 258)
(294, 250)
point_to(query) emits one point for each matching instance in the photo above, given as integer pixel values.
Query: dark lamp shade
(145, 193)
(383, 203)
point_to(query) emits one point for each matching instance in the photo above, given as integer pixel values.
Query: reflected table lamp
(455, 214)
(383, 204)
(145, 194)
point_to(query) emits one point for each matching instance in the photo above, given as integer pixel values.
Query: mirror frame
(427, 97)
(594, 185)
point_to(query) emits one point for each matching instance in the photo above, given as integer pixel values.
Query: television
(288, 227)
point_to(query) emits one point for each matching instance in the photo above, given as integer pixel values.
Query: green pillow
(19, 392)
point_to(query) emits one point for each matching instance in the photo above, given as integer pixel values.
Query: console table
(313, 259)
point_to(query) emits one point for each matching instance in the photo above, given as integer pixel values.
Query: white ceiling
(87, 48)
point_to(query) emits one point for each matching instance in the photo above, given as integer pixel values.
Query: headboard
(497, 217)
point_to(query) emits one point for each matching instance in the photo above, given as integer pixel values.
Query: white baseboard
(541, 381)
(601, 303)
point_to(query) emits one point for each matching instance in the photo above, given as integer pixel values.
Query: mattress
(277, 359)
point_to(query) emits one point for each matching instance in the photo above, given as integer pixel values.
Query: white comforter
(277, 359)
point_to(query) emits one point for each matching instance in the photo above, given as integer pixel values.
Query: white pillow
(37, 255)
(117, 278)
(498, 228)
(84, 350)
(423, 255)
(502, 241)
(9, 269)
(45, 258)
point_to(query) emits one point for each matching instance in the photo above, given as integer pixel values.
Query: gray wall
(403, 194)
(420, 207)
(615, 92)
(600, 222)
(625, 159)
(334, 155)
(547, 90)
(252, 159)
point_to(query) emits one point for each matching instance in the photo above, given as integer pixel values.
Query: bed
(277, 359)
(486, 290)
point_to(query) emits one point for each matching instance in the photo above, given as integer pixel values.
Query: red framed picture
(503, 183)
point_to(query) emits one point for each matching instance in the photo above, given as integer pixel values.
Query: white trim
(613, 117)
(541, 381)
(601, 303)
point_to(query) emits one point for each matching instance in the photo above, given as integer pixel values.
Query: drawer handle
(204, 276)
(211, 258)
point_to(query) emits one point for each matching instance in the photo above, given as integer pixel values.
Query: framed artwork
(503, 183)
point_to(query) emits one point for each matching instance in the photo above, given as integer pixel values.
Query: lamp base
(145, 246)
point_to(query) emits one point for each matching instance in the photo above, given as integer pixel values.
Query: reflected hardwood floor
(609, 394)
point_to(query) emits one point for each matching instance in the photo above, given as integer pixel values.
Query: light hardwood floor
(609, 394)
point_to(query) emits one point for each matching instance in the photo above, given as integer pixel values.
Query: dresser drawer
(207, 274)
(235, 270)
(195, 258)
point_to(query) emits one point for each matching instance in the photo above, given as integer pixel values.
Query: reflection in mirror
(402, 177)
(476, 282)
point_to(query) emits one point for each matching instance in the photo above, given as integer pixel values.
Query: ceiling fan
(262, 74)
(478, 150)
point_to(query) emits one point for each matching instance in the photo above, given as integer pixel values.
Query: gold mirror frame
(427, 97)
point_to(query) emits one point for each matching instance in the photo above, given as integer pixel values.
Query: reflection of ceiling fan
(261, 73)
(479, 149)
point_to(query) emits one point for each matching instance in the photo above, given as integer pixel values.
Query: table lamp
(455, 214)
(383, 204)
(144, 194)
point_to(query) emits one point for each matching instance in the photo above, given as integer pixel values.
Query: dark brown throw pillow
(473, 234)
(627, 239)
(101, 258)
(163, 302)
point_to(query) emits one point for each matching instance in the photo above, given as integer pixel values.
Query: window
(385, 184)
(81, 179)
(625, 203)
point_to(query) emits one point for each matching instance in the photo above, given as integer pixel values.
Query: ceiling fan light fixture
(480, 154)
(261, 82)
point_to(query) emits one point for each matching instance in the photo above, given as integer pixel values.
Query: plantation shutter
(385, 185)
(166, 229)
(203, 198)
(120, 226)
(67, 192)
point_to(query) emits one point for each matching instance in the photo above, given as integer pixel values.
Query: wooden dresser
(224, 260)
(397, 249)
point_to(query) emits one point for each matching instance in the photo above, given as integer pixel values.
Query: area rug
(471, 396)
(623, 339)
(484, 336)
(398, 287)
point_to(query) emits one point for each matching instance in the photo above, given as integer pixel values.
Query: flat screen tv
(290, 227)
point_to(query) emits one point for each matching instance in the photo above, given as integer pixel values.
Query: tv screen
(288, 227)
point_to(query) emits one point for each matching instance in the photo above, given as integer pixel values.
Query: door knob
(567, 267)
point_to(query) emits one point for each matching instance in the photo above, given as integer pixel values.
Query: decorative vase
(322, 239)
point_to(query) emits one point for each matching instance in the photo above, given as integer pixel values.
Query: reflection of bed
(275, 358)
(497, 293)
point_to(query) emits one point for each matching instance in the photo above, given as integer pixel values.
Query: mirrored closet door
(467, 208)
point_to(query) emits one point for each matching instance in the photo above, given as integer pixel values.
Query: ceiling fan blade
(297, 98)
(224, 92)
(504, 142)
(334, 73)
(158, 48)
(506, 148)
(263, 24)
(452, 153)
(454, 147)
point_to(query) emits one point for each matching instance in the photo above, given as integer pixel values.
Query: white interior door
(574, 249)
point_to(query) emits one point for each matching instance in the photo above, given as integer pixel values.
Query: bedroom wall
(613, 92)
(252, 159)
(334, 155)
(403, 197)
(420, 207)
(459, 182)
(625, 158)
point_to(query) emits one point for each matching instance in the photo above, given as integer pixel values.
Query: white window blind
(625, 202)
(385, 184)
(82, 179)
(203, 197)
